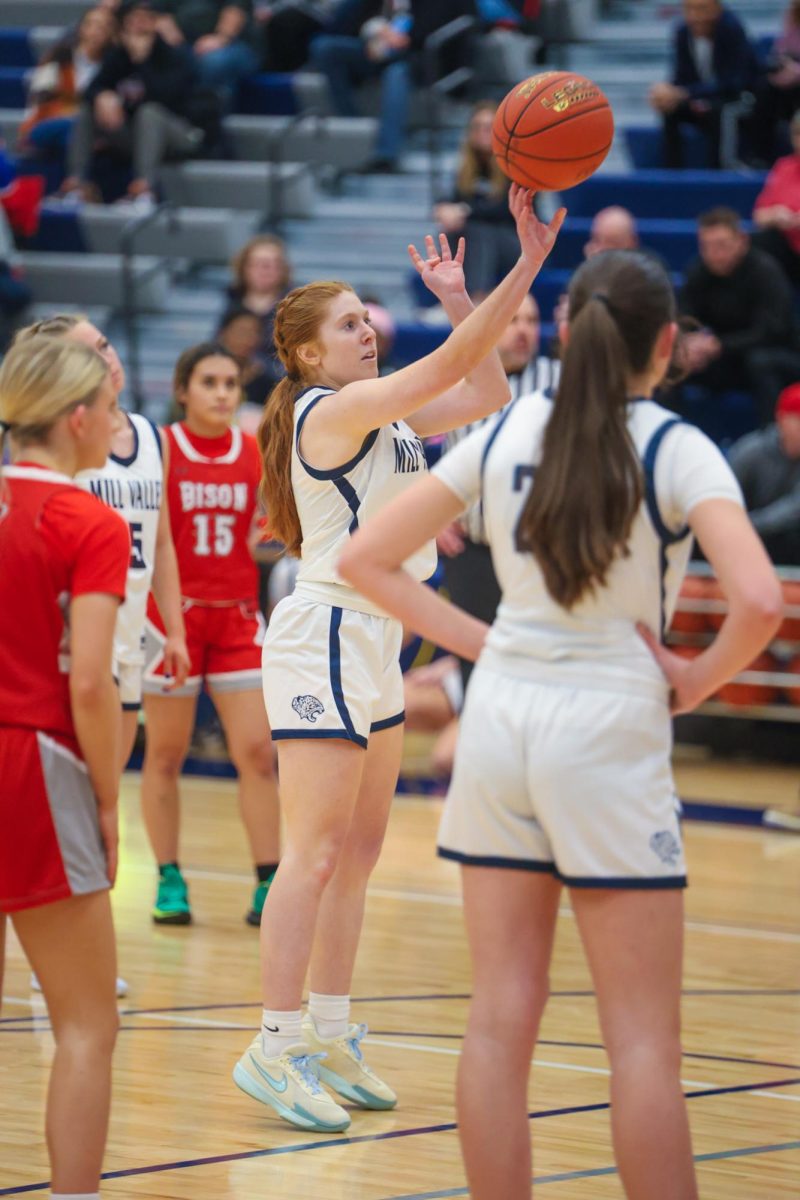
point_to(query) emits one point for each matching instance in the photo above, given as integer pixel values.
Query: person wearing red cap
(767, 466)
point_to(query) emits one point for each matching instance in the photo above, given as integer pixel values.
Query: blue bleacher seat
(60, 229)
(267, 95)
(12, 87)
(413, 340)
(672, 194)
(646, 147)
(15, 48)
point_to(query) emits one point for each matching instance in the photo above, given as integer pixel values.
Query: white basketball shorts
(331, 672)
(572, 781)
(129, 680)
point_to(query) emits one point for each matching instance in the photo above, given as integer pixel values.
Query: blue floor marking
(447, 1127)
(595, 1171)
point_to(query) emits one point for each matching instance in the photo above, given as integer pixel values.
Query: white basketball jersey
(133, 486)
(332, 504)
(533, 635)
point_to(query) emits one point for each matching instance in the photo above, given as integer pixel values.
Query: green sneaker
(172, 899)
(257, 905)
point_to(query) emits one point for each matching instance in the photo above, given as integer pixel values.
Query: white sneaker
(290, 1084)
(343, 1068)
(122, 986)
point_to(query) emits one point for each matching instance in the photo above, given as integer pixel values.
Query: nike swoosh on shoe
(279, 1085)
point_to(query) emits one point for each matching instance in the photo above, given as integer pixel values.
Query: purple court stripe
(447, 1127)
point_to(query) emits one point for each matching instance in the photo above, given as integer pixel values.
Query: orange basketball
(790, 627)
(792, 694)
(689, 616)
(752, 693)
(552, 131)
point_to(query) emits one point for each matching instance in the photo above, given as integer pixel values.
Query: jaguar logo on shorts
(667, 847)
(308, 708)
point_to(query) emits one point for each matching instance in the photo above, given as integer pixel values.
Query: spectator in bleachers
(742, 301)
(478, 207)
(261, 278)
(381, 38)
(712, 64)
(141, 104)
(777, 210)
(222, 35)
(613, 228)
(767, 465)
(240, 334)
(55, 87)
(778, 93)
(468, 566)
(287, 28)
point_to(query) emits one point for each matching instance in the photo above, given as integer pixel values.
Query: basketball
(790, 627)
(690, 613)
(552, 131)
(744, 693)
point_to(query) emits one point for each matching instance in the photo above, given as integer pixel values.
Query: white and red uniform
(56, 543)
(212, 487)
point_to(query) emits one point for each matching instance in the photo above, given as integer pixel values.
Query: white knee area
(74, 1196)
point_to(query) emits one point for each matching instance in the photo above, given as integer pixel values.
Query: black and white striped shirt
(540, 375)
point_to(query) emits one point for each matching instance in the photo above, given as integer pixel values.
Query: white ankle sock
(74, 1196)
(279, 1030)
(330, 1014)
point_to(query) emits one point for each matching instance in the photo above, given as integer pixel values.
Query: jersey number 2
(213, 534)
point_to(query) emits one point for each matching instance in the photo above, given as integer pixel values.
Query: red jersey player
(63, 564)
(212, 473)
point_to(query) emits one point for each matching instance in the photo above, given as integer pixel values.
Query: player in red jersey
(63, 564)
(213, 472)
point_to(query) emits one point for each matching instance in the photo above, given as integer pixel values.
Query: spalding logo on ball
(552, 131)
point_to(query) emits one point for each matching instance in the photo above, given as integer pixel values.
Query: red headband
(789, 401)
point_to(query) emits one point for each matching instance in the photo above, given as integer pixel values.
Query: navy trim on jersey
(157, 436)
(501, 420)
(335, 472)
(335, 668)
(283, 735)
(126, 462)
(666, 536)
(131, 705)
(387, 722)
(492, 860)
(351, 499)
(643, 883)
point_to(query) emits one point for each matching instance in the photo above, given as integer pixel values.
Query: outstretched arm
(485, 389)
(348, 416)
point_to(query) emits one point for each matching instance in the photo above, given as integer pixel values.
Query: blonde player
(338, 444)
(64, 562)
(562, 774)
(132, 483)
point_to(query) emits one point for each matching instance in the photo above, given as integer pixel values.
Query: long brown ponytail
(588, 487)
(297, 321)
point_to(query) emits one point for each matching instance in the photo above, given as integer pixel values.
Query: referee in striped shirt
(468, 567)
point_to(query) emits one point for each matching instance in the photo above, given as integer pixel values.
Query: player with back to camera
(212, 478)
(562, 774)
(63, 564)
(338, 442)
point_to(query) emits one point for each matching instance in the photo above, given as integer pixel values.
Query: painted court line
(596, 1171)
(447, 1127)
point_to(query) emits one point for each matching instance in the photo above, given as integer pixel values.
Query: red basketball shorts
(224, 645)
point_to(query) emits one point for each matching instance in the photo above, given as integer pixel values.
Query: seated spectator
(478, 207)
(742, 300)
(468, 569)
(55, 87)
(767, 465)
(777, 210)
(287, 29)
(778, 94)
(141, 104)
(712, 64)
(613, 228)
(261, 278)
(433, 696)
(380, 38)
(223, 38)
(240, 334)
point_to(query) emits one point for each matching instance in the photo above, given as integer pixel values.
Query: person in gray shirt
(767, 466)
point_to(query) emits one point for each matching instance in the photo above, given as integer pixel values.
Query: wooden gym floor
(181, 1130)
